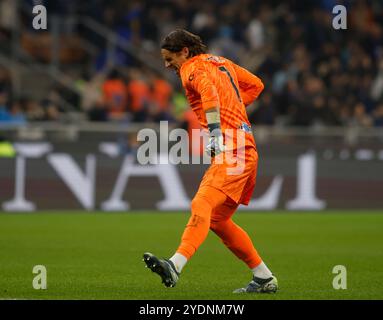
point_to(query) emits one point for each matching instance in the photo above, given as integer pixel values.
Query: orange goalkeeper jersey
(212, 81)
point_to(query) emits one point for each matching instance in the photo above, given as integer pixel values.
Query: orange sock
(238, 241)
(198, 225)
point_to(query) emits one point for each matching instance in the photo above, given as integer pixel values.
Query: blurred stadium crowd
(314, 75)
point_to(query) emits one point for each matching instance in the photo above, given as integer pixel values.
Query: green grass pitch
(98, 255)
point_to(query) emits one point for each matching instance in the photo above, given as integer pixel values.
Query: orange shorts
(236, 180)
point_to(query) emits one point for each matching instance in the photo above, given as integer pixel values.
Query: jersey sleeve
(250, 86)
(198, 79)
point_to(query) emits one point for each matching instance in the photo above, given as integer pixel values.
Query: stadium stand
(99, 60)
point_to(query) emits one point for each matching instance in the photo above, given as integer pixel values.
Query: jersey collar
(190, 61)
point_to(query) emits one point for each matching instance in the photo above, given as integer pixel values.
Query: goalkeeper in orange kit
(218, 91)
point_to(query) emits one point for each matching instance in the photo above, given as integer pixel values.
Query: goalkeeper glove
(215, 145)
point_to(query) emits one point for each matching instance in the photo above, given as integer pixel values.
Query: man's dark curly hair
(176, 40)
